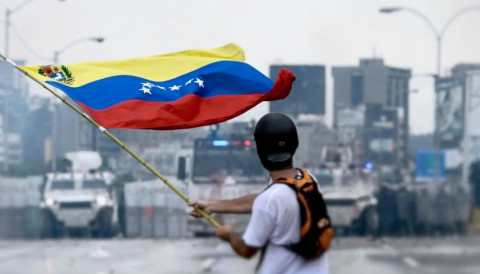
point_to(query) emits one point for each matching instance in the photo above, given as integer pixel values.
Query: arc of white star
(160, 87)
(175, 87)
(145, 90)
(199, 82)
(148, 84)
(188, 82)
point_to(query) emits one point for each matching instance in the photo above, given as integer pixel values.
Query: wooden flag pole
(118, 142)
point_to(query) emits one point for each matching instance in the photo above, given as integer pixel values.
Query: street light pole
(8, 13)
(438, 33)
(439, 37)
(69, 45)
(54, 118)
(7, 27)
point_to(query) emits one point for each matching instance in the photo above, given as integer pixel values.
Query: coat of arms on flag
(62, 74)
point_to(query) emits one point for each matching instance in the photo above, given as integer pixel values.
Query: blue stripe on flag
(219, 78)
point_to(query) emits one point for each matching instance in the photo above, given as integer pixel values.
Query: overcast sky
(324, 32)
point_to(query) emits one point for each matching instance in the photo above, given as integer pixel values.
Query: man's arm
(242, 205)
(227, 234)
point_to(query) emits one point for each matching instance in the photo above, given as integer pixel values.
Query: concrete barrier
(154, 211)
(19, 207)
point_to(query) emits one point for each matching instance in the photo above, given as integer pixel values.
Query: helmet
(277, 140)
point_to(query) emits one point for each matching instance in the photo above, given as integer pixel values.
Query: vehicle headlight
(101, 200)
(50, 202)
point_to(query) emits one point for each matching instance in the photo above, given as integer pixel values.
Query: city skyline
(271, 32)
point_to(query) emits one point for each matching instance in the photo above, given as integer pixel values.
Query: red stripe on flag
(282, 86)
(188, 111)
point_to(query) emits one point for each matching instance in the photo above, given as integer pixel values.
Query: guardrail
(152, 210)
(20, 215)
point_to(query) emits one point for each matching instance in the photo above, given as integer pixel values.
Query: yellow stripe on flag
(156, 68)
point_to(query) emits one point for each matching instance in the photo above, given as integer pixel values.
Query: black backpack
(314, 241)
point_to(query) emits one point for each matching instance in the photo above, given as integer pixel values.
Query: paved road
(348, 255)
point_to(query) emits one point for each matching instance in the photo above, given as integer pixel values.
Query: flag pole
(118, 142)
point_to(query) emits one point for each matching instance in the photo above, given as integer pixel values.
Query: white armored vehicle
(224, 166)
(82, 199)
(222, 169)
(349, 192)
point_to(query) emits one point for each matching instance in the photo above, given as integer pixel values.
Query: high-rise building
(13, 111)
(308, 90)
(66, 129)
(11, 77)
(373, 83)
(74, 133)
(3, 139)
(370, 83)
(459, 71)
(35, 139)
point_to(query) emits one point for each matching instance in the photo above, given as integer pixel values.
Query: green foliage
(41, 71)
(67, 72)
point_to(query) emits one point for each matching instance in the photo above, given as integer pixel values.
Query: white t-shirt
(276, 219)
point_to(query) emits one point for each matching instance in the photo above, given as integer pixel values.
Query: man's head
(277, 140)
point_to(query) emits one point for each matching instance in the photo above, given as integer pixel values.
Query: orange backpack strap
(303, 181)
(315, 238)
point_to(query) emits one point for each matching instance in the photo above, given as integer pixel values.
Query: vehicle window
(246, 164)
(62, 185)
(207, 164)
(241, 165)
(95, 183)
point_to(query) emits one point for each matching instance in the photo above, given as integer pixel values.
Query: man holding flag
(173, 91)
(275, 222)
(184, 89)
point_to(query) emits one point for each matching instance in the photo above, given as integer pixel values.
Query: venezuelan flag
(179, 90)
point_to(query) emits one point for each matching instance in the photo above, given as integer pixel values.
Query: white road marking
(100, 253)
(207, 264)
(411, 262)
(390, 249)
(407, 260)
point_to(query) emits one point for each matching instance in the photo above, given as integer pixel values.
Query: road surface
(348, 255)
